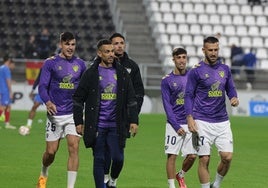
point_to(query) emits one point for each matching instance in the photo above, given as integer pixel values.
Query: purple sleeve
(190, 92)
(168, 107)
(230, 87)
(44, 82)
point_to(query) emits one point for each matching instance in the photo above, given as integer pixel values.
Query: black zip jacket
(135, 75)
(87, 95)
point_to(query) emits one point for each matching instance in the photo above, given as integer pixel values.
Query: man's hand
(133, 129)
(51, 108)
(80, 129)
(234, 101)
(191, 124)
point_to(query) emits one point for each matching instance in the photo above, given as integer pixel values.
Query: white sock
(181, 173)
(171, 183)
(71, 178)
(106, 178)
(44, 171)
(205, 185)
(218, 180)
(29, 122)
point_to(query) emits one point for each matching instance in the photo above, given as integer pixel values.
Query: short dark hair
(103, 42)
(66, 36)
(178, 51)
(210, 39)
(117, 35)
(7, 57)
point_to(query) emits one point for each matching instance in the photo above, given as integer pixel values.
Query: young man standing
(59, 79)
(207, 84)
(6, 94)
(107, 93)
(133, 69)
(177, 136)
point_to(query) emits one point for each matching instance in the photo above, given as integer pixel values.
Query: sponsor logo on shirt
(215, 92)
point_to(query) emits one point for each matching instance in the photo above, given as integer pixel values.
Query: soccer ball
(24, 130)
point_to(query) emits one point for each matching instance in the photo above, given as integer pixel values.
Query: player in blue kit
(59, 79)
(207, 84)
(6, 94)
(177, 136)
(108, 95)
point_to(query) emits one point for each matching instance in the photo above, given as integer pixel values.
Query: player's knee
(191, 157)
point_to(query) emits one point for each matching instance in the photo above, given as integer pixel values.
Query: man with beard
(207, 84)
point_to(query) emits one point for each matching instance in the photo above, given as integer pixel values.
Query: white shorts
(175, 143)
(58, 127)
(219, 134)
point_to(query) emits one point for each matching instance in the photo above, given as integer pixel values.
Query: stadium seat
(222, 9)
(171, 28)
(257, 42)
(191, 18)
(180, 18)
(229, 30)
(254, 31)
(175, 7)
(195, 29)
(188, 8)
(203, 19)
(218, 28)
(262, 20)
(186, 40)
(234, 9)
(211, 9)
(238, 20)
(226, 19)
(264, 31)
(175, 40)
(250, 20)
(198, 40)
(207, 30)
(246, 10)
(245, 42)
(168, 17)
(233, 40)
(241, 30)
(199, 8)
(183, 28)
(214, 19)
(261, 53)
(191, 51)
(164, 7)
(257, 10)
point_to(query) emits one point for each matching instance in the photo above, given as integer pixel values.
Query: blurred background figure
(6, 94)
(237, 58)
(30, 48)
(250, 61)
(44, 44)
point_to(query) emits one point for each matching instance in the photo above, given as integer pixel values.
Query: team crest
(221, 73)
(59, 67)
(75, 68)
(206, 75)
(174, 84)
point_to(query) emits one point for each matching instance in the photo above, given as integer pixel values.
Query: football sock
(181, 173)
(218, 180)
(205, 185)
(7, 114)
(71, 178)
(106, 178)
(112, 182)
(171, 183)
(44, 171)
(29, 122)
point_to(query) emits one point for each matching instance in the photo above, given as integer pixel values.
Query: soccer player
(177, 136)
(107, 93)
(59, 79)
(6, 94)
(118, 41)
(207, 84)
(37, 101)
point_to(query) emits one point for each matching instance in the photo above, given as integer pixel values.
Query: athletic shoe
(10, 127)
(110, 184)
(2, 117)
(181, 181)
(211, 185)
(42, 181)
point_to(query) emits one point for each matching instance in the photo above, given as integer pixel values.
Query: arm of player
(133, 129)
(191, 124)
(80, 129)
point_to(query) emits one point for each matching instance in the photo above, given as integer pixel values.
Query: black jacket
(135, 75)
(88, 95)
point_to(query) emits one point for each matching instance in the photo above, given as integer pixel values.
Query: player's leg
(53, 135)
(117, 155)
(32, 114)
(173, 143)
(107, 165)
(224, 144)
(73, 140)
(205, 141)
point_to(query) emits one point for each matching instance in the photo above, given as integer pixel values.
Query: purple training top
(173, 91)
(108, 90)
(205, 91)
(58, 81)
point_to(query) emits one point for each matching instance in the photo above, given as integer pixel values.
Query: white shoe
(249, 86)
(10, 127)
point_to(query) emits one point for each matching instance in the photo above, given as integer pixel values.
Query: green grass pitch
(145, 160)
